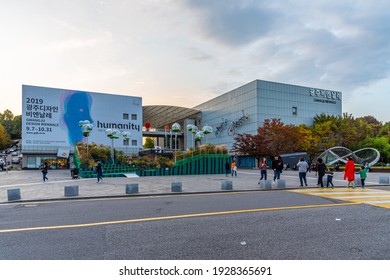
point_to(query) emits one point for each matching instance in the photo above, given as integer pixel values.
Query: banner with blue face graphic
(51, 118)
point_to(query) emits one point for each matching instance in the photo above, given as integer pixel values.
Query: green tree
(379, 143)
(149, 143)
(4, 138)
(16, 132)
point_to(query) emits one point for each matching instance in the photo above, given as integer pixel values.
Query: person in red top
(349, 172)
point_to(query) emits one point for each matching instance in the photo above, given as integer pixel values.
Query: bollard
(71, 191)
(384, 180)
(131, 188)
(227, 185)
(13, 194)
(176, 186)
(280, 184)
(266, 184)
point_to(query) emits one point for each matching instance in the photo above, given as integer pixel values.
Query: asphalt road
(270, 225)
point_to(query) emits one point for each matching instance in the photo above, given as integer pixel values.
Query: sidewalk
(32, 188)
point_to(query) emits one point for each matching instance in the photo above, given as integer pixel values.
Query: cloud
(232, 22)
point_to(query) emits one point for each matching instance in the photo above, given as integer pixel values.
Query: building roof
(160, 115)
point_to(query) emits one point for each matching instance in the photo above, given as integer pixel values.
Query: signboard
(50, 117)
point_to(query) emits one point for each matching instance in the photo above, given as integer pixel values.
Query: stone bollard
(384, 180)
(227, 185)
(266, 184)
(176, 186)
(280, 184)
(71, 190)
(13, 194)
(131, 188)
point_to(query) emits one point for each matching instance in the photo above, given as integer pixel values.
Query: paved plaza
(32, 187)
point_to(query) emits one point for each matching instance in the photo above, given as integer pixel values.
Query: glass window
(125, 116)
(125, 142)
(134, 142)
(294, 111)
(134, 117)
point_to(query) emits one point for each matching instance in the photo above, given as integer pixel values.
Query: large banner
(51, 117)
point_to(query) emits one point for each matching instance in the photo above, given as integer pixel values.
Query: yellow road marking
(173, 217)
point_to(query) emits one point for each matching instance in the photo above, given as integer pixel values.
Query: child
(329, 178)
(234, 168)
(363, 175)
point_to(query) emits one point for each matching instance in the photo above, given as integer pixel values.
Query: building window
(134, 142)
(134, 117)
(125, 116)
(294, 111)
(125, 142)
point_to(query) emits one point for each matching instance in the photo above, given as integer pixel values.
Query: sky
(185, 52)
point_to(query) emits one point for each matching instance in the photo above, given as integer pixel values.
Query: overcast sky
(183, 53)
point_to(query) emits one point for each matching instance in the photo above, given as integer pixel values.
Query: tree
(273, 138)
(12, 124)
(4, 138)
(309, 142)
(149, 143)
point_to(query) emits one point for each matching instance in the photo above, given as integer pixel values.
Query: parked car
(15, 160)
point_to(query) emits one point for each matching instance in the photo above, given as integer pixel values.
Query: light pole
(86, 128)
(112, 134)
(126, 135)
(176, 128)
(207, 130)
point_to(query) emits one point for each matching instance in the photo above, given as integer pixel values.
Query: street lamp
(86, 128)
(207, 130)
(176, 128)
(112, 134)
(126, 135)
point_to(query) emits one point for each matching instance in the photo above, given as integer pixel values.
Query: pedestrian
(227, 168)
(363, 176)
(277, 166)
(234, 168)
(329, 178)
(263, 169)
(44, 169)
(99, 171)
(320, 172)
(303, 166)
(349, 172)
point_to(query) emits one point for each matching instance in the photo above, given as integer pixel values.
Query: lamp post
(112, 134)
(86, 128)
(207, 130)
(176, 128)
(126, 135)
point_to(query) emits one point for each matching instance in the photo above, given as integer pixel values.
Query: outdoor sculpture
(340, 154)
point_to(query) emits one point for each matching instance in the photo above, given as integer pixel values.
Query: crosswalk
(376, 197)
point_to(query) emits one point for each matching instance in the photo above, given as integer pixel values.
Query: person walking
(99, 171)
(320, 172)
(277, 166)
(303, 166)
(263, 169)
(44, 170)
(363, 176)
(349, 172)
(227, 168)
(329, 178)
(234, 168)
